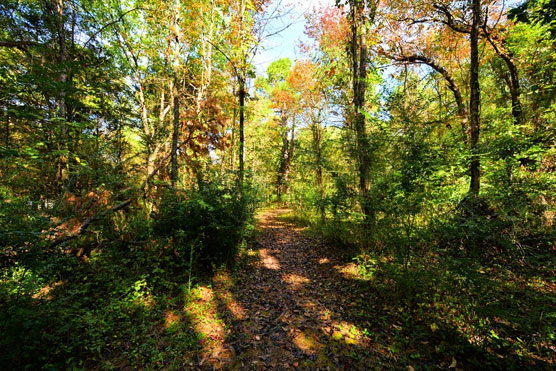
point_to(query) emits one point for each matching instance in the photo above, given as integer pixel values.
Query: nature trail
(293, 306)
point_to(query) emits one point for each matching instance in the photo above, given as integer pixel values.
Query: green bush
(207, 223)
(20, 221)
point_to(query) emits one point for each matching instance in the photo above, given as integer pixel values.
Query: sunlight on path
(285, 310)
(269, 261)
(291, 306)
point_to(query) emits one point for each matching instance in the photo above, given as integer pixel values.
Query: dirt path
(291, 307)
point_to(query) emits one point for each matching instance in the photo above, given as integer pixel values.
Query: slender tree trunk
(241, 82)
(317, 148)
(7, 132)
(515, 91)
(175, 96)
(289, 158)
(175, 132)
(120, 141)
(58, 7)
(280, 183)
(513, 82)
(233, 140)
(462, 111)
(474, 101)
(241, 151)
(359, 75)
(206, 51)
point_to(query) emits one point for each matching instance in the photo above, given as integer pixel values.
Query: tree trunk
(241, 82)
(515, 90)
(474, 101)
(233, 139)
(175, 96)
(175, 133)
(241, 151)
(289, 158)
(462, 112)
(282, 170)
(513, 83)
(63, 163)
(359, 75)
(7, 132)
(317, 148)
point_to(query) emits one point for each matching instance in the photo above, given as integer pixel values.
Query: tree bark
(282, 170)
(289, 158)
(175, 96)
(483, 31)
(175, 133)
(241, 151)
(242, 93)
(474, 100)
(462, 111)
(359, 75)
(317, 148)
(513, 83)
(58, 7)
(7, 132)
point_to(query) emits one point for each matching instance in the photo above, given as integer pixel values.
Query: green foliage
(21, 222)
(208, 223)
(279, 70)
(109, 308)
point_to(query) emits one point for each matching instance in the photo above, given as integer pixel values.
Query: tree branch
(22, 44)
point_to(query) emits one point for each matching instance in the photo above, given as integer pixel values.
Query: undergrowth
(487, 311)
(103, 300)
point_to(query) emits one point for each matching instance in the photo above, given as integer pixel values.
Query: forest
(386, 199)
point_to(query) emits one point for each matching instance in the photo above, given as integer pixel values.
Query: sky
(285, 44)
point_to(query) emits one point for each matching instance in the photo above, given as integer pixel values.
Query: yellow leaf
(453, 364)
(434, 327)
(410, 368)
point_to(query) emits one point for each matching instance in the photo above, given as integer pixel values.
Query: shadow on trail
(298, 304)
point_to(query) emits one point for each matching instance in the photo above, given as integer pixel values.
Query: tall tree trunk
(175, 132)
(7, 132)
(58, 7)
(233, 139)
(317, 148)
(513, 83)
(241, 151)
(175, 96)
(282, 170)
(475, 100)
(515, 90)
(289, 158)
(206, 53)
(359, 75)
(241, 82)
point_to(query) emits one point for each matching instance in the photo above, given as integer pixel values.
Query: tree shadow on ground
(102, 311)
(298, 303)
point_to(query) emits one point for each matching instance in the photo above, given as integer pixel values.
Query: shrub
(207, 223)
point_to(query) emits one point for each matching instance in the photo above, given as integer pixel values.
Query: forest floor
(293, 305)
(296, 302)
(292, 301)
